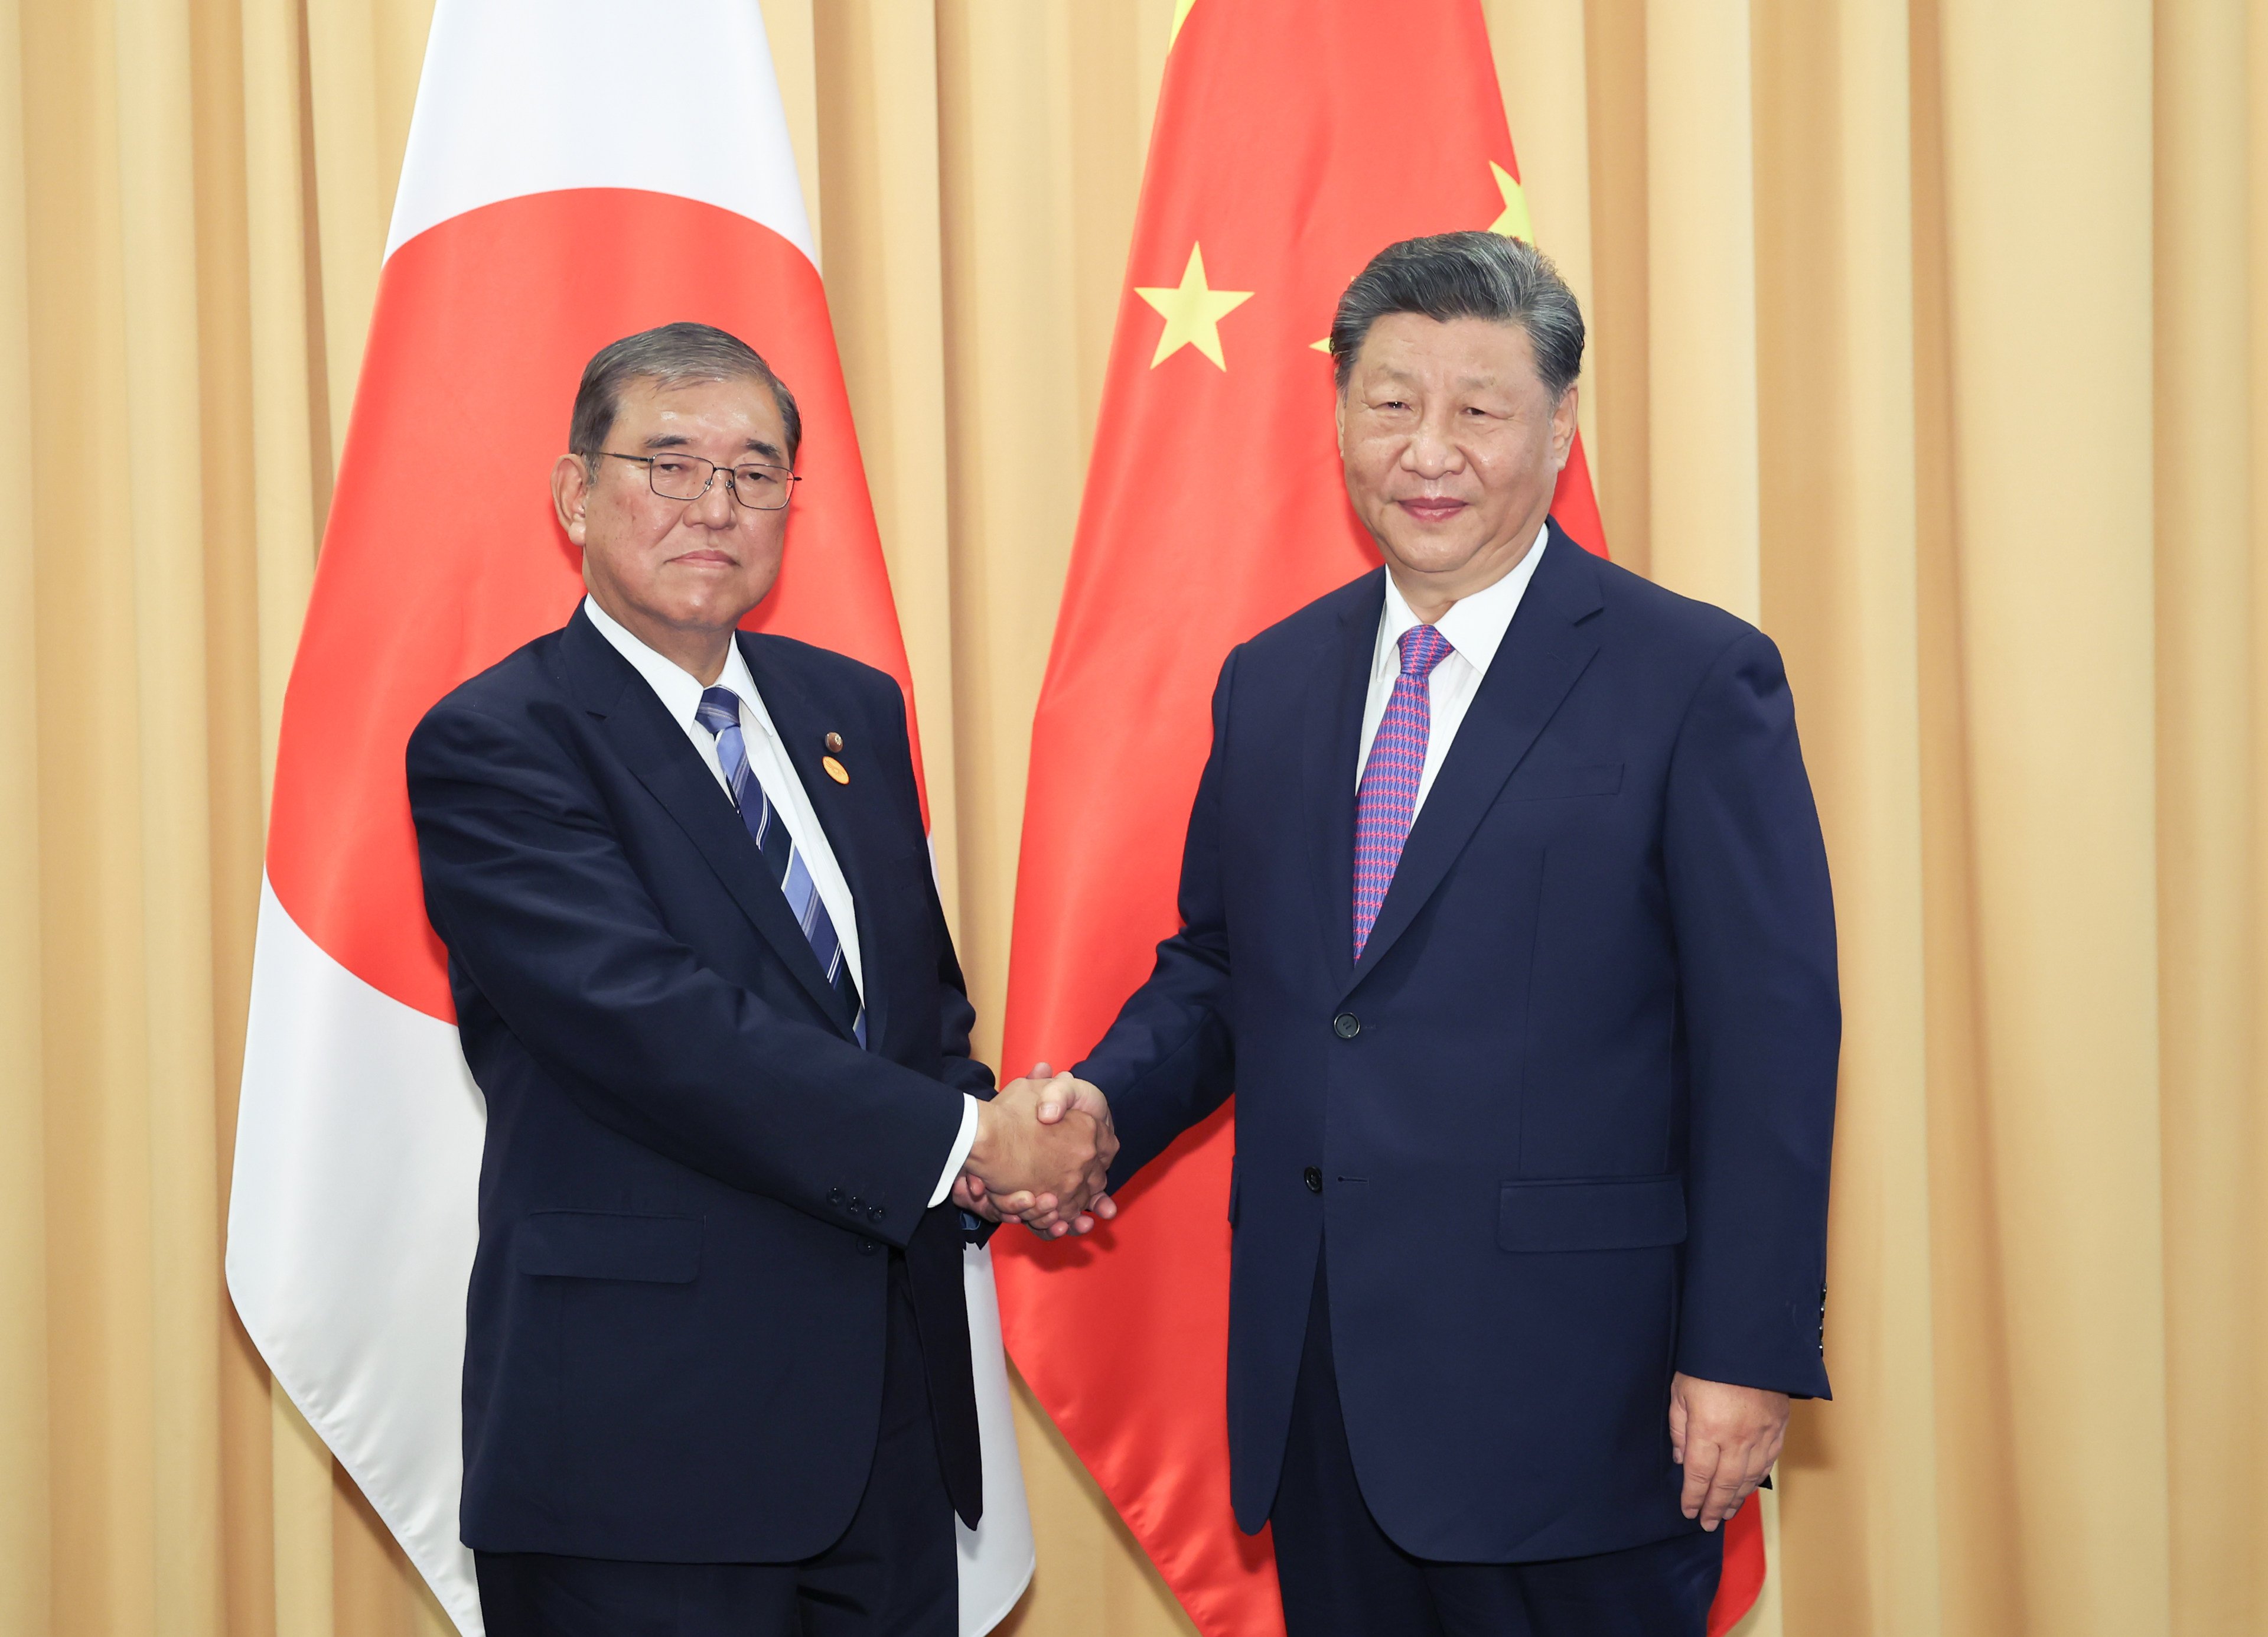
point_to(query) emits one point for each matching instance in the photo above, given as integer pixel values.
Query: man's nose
(713, 506)
(1431, 449)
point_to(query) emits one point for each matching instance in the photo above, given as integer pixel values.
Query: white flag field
(560, 190)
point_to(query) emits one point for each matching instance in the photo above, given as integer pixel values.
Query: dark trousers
(895, 1572)
(1343, 1577)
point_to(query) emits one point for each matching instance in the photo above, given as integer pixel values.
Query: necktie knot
(719, 710)
(1423, 647)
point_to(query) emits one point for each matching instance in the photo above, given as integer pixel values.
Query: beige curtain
(1924, 332)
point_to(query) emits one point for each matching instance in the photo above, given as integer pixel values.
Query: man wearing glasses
(717, 1367)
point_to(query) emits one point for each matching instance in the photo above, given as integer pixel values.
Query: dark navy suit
(696, 1186)
(1565, 1129)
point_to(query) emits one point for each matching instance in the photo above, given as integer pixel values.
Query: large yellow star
(1193, 312)
(1514, 223)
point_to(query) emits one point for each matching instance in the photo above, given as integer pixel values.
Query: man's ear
(570, 492)
(1563, 427)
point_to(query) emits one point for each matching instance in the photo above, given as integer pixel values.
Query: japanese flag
(576, 172)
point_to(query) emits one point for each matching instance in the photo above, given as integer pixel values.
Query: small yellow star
(1514, 223)
(1181, 16)
(1193, 311)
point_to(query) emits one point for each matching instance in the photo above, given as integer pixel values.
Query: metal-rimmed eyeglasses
(675, 476)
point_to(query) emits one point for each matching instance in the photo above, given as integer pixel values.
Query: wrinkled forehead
(739, 414)
(1459, 352)
(1415, 350)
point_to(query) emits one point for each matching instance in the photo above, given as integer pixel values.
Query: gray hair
(674, 355)
(1467, 274)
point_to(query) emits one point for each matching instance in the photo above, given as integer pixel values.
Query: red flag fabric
(1294, 139)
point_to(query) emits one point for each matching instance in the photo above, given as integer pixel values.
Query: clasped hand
(1041, 1156)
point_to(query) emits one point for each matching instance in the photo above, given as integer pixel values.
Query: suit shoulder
(1298, 634)
(513, 714)
(1665, 621)
(526, 675)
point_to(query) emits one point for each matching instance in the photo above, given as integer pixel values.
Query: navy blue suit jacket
(1565, 1125)
(675, 1331)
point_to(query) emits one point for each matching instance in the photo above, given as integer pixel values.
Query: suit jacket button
(1346, 1026)
(874, 1213)
(865, 1247)
(835, 1195)
(856, 1205)
(1314, 1178)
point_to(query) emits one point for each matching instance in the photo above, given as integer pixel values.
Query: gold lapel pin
(836, 770)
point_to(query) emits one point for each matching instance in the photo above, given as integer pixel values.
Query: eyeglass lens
(687, 477)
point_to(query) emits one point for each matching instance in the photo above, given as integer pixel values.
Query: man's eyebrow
(679, 440)
(1470, 379)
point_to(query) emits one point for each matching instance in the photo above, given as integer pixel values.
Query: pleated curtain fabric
(1931, 333)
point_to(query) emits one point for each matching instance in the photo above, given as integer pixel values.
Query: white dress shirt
(680, 692)
(1474, 628)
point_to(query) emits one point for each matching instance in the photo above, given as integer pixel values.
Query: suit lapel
(1547, 648)
(846, 811)
(654, 748)
(1334, 723)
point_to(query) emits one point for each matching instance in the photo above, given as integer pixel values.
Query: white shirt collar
(1474, 626)
(678, 689)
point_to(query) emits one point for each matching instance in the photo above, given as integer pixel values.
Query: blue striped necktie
(720, 714)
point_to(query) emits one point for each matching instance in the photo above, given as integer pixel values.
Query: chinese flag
(1294, 140)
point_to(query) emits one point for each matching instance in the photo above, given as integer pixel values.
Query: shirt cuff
(962, 1145)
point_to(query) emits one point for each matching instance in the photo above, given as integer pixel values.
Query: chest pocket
(1545, 784)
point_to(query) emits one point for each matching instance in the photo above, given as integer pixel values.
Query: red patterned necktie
(1389, 793)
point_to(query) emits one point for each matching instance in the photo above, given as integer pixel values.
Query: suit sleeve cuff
(962, 1145)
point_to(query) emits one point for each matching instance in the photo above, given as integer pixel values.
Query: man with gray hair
(1505, 919)
(717, 1358)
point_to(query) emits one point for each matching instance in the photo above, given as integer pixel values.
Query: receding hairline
(671, 356)
(675, 381)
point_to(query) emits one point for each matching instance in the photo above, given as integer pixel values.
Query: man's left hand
(1727, 1438)
(1062, 1096)
(1059, 1096)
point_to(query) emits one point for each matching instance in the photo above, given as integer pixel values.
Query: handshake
(1042, 1153)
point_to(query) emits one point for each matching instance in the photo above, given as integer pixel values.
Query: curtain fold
(1926, 331)
(2207, 807)
(24, 1535)
(2049, 373)
(1836, 396)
